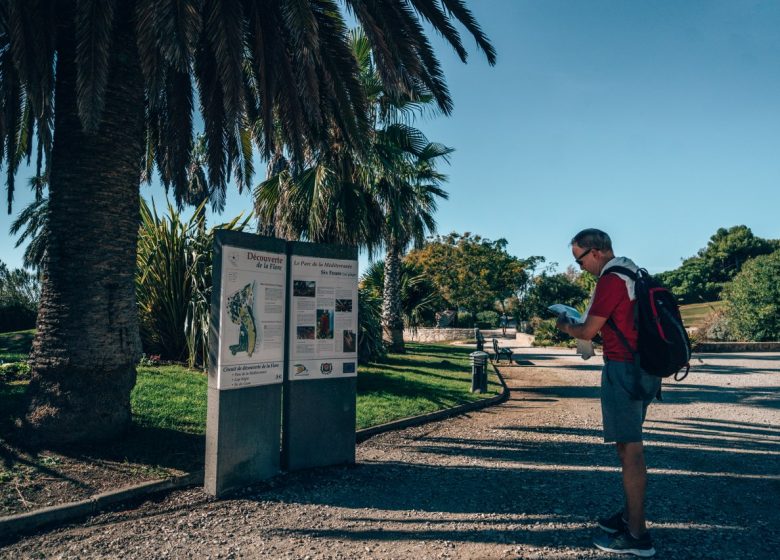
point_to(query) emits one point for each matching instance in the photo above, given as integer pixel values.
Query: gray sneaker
(613, 524)
(624, 543)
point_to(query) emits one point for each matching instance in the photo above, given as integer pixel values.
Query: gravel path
(524, 479)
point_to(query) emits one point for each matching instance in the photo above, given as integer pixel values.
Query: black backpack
(664, 348)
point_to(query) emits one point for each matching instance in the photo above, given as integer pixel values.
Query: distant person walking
(503, 324)
(626, 390)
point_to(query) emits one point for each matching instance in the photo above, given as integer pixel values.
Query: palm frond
(224, 31)
(176, 135)
(213, 111)
(12, 107)
(30, 225)
(464, 16)
(94, 25)
(178, 25)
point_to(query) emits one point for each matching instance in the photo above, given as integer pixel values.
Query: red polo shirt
(611, 300)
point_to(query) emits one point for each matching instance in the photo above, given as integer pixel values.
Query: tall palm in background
(383, 196)
(408, 194)
(121, 97)
(420, 300)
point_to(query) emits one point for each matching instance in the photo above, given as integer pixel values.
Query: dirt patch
(32, 479)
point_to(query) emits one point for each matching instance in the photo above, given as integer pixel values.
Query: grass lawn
(169, 421)
(15, 346)
(173, 398)
(427, 378)
(694, 314)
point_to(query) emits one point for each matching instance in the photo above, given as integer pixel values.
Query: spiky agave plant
(173, 281)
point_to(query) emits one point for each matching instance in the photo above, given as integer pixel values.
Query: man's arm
(583, 331)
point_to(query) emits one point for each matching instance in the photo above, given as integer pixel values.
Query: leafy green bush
(173, 283)
(547, 289)
(488, 318)
(14, 371)
(715, 327)
(545, 334)
(753, 299)
(19, 293)
(465, 320)
(370, 345)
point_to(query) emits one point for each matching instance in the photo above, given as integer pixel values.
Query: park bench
(498, 352)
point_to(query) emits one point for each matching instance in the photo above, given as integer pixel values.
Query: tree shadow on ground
(64, 474)
(164, 448)
(672, 393)
(539, 483)
(769, 357)
(436, 351)
(406, 364)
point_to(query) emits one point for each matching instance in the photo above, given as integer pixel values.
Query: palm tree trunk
(87, 342)
(392, 322)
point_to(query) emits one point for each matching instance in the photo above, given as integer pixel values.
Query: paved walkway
(521, 480)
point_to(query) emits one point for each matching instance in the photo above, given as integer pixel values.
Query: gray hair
(592, 238)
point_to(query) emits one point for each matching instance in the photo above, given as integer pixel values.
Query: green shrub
(545, 334)
(489, 318)
(173, 283)
(19, 293)
(14, 371)
(753, 300)
(465, 320)
(715, 327)
(370, 345)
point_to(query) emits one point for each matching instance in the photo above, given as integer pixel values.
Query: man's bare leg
(632, 459)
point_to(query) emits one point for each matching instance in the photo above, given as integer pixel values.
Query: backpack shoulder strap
(621, 336)
(622, 270)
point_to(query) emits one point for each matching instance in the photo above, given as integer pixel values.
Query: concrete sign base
(242, 439)
(319, 423)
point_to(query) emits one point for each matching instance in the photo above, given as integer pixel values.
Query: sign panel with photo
(323, 318)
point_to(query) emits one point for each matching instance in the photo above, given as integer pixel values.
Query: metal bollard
(478, 371)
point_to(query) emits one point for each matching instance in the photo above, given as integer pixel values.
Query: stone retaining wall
(737, 347)
(427, 334)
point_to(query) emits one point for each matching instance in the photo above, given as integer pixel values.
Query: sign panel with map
(252, 304)
(323, 318)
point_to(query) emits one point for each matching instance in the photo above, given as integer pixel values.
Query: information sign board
(252, 306)
(323, 319)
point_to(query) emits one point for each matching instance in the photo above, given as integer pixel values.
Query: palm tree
(109, 87)
(386, 196)
(409, 198)
(420, 300)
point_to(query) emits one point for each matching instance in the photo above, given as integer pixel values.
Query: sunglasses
(578, 260)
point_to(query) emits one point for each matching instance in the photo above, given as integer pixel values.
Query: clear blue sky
(658, 122)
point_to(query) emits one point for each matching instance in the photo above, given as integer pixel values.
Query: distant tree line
(702, 277)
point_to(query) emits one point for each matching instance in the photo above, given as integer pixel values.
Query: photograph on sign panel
(349, 341)
(305, 333)
(325, 323)
(304, 288)
(344, 305)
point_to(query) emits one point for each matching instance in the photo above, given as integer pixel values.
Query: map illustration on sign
(240, 306)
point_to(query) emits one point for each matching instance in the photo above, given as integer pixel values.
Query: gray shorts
(624, 400)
